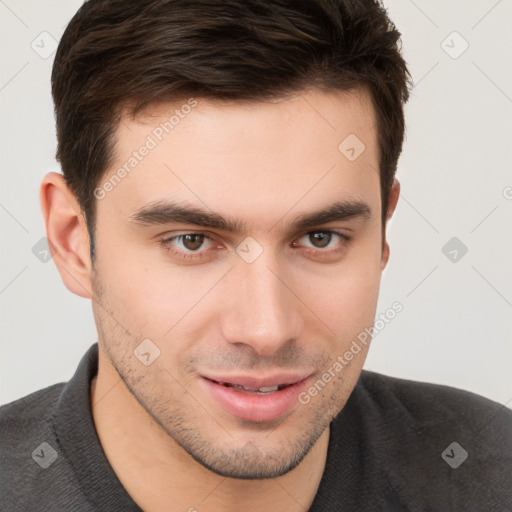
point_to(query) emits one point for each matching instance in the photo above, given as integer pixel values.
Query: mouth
(256, 399)
(264, 390)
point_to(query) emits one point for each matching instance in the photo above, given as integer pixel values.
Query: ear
(67, 234)
(393, 200)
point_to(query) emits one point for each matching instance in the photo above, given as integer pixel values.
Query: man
(228, 175)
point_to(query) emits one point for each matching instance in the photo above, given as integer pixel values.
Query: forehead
(308, 150)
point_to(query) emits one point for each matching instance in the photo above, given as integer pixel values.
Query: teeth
(267, 389)
(262, 391)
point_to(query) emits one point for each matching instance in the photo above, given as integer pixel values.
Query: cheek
(152, 297)
(138, 298)
(347, 310)
(345, 296)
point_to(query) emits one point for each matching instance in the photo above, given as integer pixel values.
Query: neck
(156, 472)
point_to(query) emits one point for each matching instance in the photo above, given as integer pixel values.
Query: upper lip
(259, 382)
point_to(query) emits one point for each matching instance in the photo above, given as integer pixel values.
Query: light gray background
(456, 324)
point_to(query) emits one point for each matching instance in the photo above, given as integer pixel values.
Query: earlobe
(392, 202)
(385, 255)
(67, 234)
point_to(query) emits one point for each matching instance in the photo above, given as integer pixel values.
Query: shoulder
(29, 413)
(429, 445)
(35, 474)
(24, 424)
(427, 404)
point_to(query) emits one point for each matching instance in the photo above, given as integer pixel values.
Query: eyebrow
(168, 212)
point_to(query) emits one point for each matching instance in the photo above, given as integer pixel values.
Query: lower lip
(256, 407)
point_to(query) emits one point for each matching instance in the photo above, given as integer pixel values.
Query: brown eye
(193, 241)
(188, 245)
(323, 242)
(320, 239)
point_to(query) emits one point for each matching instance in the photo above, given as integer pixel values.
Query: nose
(263, 310)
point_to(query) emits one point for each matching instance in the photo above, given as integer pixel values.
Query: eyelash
(166, 243)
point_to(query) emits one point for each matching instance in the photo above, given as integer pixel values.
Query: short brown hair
(115, 53)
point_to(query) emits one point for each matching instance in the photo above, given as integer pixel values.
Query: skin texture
(296, 308)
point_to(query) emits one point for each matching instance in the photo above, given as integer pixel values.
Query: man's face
(272, 303)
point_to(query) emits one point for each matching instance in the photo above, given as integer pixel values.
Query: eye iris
(321, 237)
(193, 241)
